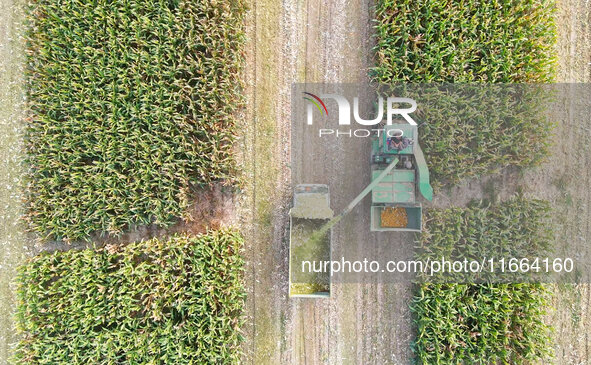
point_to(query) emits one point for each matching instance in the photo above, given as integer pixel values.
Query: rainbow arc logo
(315, 101)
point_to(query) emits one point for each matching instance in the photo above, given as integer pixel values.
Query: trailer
(309, 241)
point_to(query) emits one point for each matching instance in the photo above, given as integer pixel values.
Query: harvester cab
(395, 198)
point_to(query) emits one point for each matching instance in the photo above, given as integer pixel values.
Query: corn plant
(466, 41)
(518, 227)
(486, 323)
(441, 41)
(473, 130)
(481, 324)
(132, 105)
(173, 301)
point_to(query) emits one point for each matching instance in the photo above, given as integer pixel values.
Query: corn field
(463, 323)
(481, 324)
(468, 41)
(472, 42)
(132, 105)
(468, 133)
(475, 130)
(173, 301)
(519, 227)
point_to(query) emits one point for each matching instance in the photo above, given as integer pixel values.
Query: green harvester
(407, 176)
(399, 174)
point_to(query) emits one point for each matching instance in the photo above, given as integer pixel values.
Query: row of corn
(468, 132)
(467, 318)
(169, 301)
(133, 106)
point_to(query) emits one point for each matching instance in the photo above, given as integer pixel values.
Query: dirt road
(571, 317)
(12, 240)
(330, 41)
(296, 42)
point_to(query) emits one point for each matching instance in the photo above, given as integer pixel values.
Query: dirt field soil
(330, 41)
(13, 242)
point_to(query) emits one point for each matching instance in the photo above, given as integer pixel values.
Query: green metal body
(401, 186)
